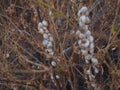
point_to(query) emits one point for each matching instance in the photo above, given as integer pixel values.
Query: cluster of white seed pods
(86, 40)
(47, 39)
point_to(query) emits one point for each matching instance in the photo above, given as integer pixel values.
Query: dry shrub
(23, 64)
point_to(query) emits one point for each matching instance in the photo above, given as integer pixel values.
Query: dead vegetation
(23, 64)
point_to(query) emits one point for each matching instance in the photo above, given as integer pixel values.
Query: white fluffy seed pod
(82, 10)
(83, 19)
(87, 33)
(51, 38)
(88, 57)
(91, 39)
(87, 20)
(45, 42)
(92, 45)
(81, 24)
(53, 63)
(40, 25)
(41, 31)
(49, 45)
(94, 61)
(45, 36)
(81, 35)
(45, 23)
(77, 32)
(57, 77)
(86, 44)
(85, 28)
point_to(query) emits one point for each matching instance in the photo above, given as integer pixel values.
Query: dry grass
(23, 64)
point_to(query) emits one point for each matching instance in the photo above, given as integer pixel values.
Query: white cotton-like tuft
(77, 32)
(94, 61)
(91, 46)
(85, 27)
(91, 51)
(86, 41)
(41, 31)
(88, 57)
(82, 10)
(45, 42)
(51, 38)
(86, 44)
(81, 35)
(83, 19)
(40, 25)
(87, 20)
(91, 39)
(57, 77)
(45, 23)
(87, 33)
(53, 63)
(113, 48)
(45, 36)
(81, 24)
(49, 45)
(84, 52)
